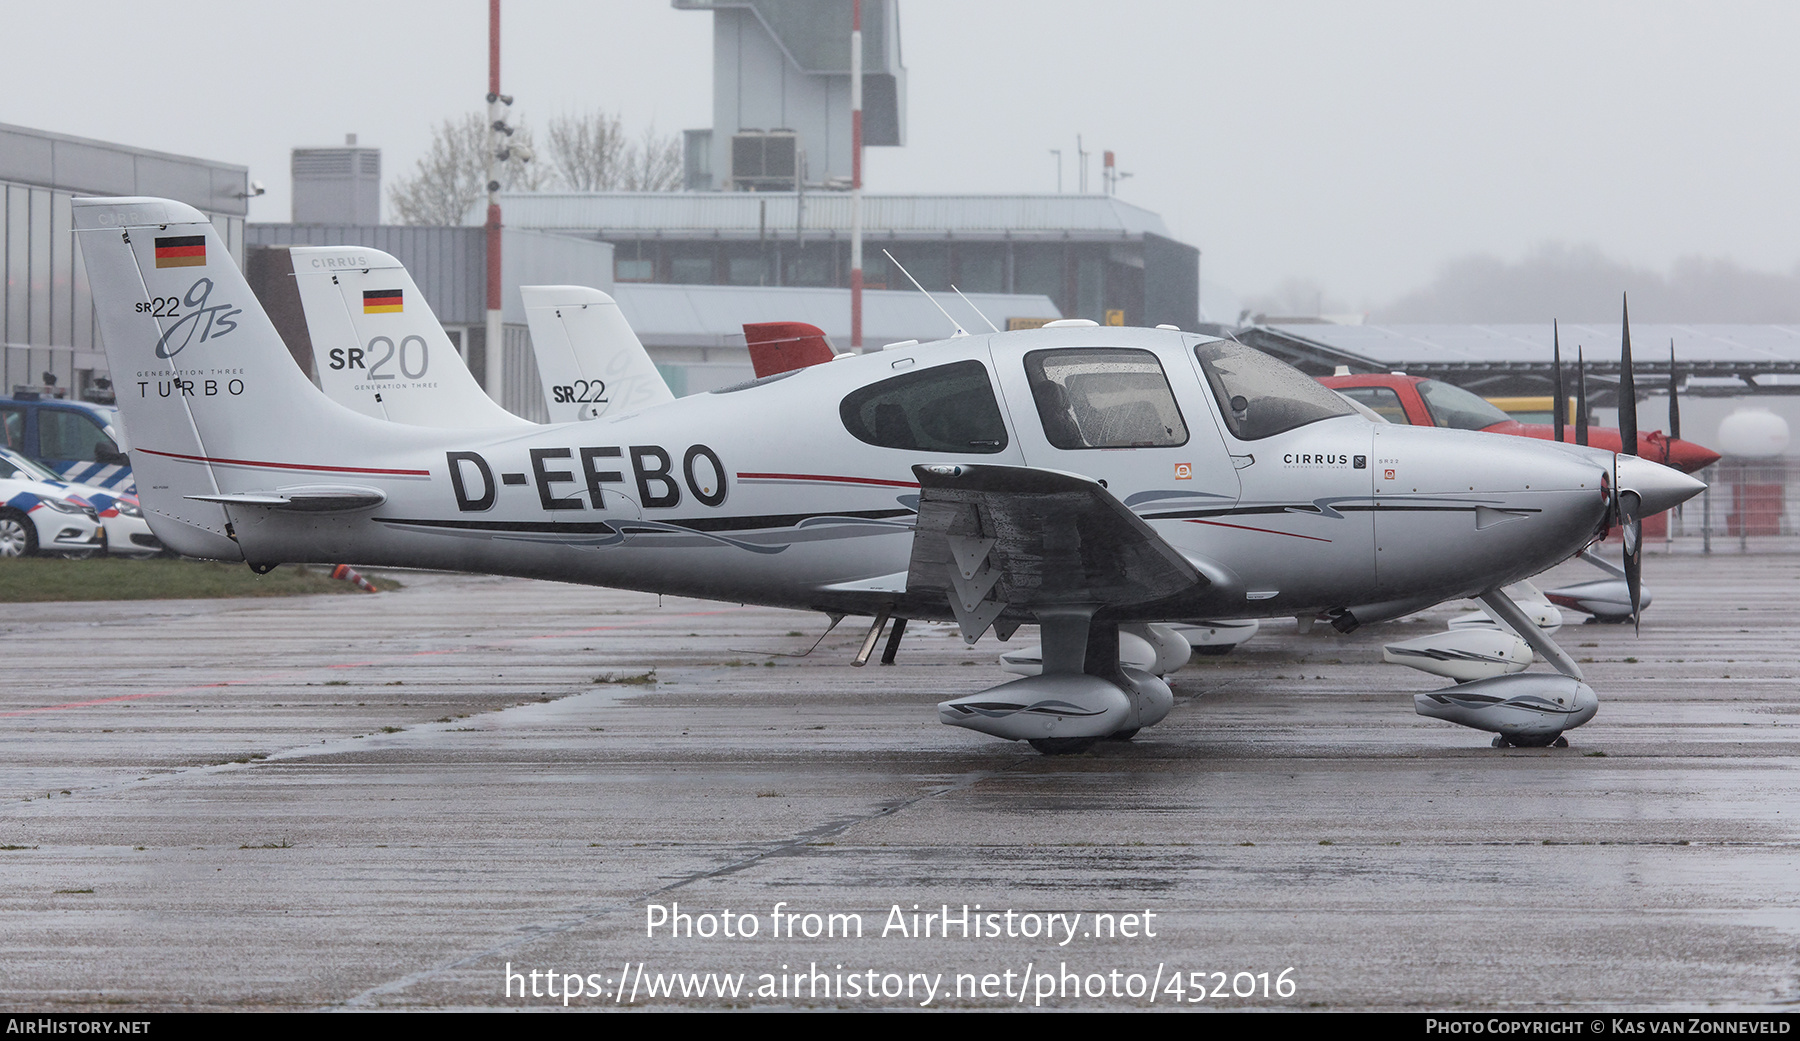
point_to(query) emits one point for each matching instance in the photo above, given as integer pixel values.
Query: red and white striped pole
(496, 333)
(856, 157)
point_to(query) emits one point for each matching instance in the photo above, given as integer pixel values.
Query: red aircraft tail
(782, 346)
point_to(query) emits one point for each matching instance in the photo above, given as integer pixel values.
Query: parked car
(40, 517)
(83, 442)
(128, 534)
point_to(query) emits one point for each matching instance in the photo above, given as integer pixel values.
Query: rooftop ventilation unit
(337, 185)
(764, 160)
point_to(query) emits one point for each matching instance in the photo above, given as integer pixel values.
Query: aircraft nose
(1659, 487)
(1689, 457)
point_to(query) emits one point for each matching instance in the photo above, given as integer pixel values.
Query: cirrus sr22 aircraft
(1076, 478)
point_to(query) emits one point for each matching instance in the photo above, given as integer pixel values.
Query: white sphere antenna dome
(1753, 433)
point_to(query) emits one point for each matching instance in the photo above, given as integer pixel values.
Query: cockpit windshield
(1261, 396)
(1457, 408)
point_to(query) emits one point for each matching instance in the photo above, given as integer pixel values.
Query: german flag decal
(381, 301)
(181, 251)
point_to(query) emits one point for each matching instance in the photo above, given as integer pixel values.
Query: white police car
(127, 532)
(42, 517)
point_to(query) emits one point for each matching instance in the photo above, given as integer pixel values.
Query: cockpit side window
(1260, 396)
(948, 408)
(1104, 397)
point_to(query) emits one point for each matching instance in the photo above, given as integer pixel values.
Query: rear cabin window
(1381, 400)
(1104, 397)
(1260, 396)
(948, 408)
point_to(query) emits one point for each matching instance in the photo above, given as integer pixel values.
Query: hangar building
(47, 313)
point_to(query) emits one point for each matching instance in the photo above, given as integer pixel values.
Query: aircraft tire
(1535, 741)
(1122, 735)
(1063, 745)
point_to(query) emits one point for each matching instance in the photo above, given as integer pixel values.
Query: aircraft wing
(993, 537)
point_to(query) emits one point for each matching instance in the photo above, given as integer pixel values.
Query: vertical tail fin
(377, 346)
(783, 346)
(590, 360)
(211, 397)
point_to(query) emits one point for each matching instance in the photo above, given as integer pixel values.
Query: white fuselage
(762, 494)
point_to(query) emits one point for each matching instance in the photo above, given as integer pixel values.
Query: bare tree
(588, 152)
(656, 164)
(585, 153)
(452, 178)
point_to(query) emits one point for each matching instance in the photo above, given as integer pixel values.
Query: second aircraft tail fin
(783, 346)
(377, 346)
(590, 360)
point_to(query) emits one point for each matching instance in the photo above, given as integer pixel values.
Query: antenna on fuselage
(991, 325)
(960, 331)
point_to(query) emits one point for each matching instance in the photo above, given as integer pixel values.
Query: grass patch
(39, 579)
(282, 844)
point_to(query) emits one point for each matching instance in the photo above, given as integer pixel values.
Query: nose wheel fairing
(1527, 709)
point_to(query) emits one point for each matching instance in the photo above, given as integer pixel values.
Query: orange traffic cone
(349, 574)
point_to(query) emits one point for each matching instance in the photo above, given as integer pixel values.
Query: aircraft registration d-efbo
(1075, 477)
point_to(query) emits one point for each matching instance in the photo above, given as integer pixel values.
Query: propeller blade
(1581, 437)
(1633, 524)
(1560, 400)
(1628, 438)
(1674, 403)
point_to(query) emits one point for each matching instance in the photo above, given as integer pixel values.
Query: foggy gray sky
(1358, 145)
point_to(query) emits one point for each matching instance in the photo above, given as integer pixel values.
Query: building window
(746, 271)
(691, 271)
(929, 263)
(810, 268)
(1038, 269)
(626, 269)
(981, 269)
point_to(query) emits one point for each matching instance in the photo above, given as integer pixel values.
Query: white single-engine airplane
(1075, 477)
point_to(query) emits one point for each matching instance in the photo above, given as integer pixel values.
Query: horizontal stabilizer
(302, 500)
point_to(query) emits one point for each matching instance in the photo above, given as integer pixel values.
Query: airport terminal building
(1093, 256)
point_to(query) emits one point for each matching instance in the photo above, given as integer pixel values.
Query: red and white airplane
(1400, 398)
